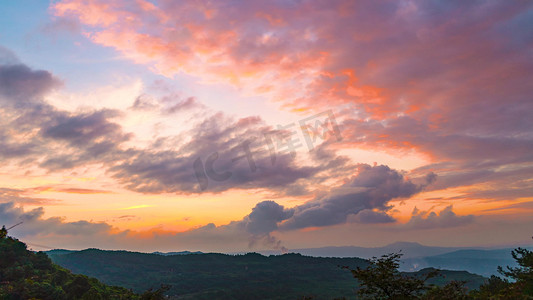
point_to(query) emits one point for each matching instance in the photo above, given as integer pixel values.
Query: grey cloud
(186, 104)
(444, 219)
(36, 224)
(58, 140)
(369, 216)
(364, 199)
(80, 227)
(21, 84)
(172, 170)
(265, 217)
(462, 158)
(260, 223)
(371, 188)
(54, 139)
(166, 105)
(83, 129)
(14, 149)
(144, 103)
(501, 182)
(89, 137)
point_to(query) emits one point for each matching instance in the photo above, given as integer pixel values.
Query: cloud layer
(35, 133)
(444, 219)
(446, 80)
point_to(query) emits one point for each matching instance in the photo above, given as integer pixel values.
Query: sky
(231, 125)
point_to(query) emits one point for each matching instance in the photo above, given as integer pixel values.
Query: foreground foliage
(382, 280)
(28, 275)
(521, 284)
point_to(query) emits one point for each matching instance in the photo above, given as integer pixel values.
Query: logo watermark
(284, 140)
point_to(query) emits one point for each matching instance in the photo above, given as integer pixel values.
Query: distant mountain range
(64, 251)
(415, 256)
(225, 276)
(408, 249)
(177, 253)
(483, 262)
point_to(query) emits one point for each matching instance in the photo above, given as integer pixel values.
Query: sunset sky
(250, 125)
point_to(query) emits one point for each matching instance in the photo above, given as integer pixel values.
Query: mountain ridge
(213, 275)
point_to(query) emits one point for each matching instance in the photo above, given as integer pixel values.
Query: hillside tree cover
(28, 275)
(382, 280)
(223, 276)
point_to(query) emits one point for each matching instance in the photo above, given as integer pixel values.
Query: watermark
(285, 139)
(320, 129)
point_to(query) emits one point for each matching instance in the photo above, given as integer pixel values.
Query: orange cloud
(453, 86)
(317, 54)
(58, 189)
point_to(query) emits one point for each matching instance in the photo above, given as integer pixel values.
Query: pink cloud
(447, 79)
(419, 56)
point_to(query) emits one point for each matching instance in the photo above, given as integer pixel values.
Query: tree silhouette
(382, 280)
(523, 274)
(3, 232)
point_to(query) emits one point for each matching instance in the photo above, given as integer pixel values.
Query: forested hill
(221, 276)
(28, 275)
